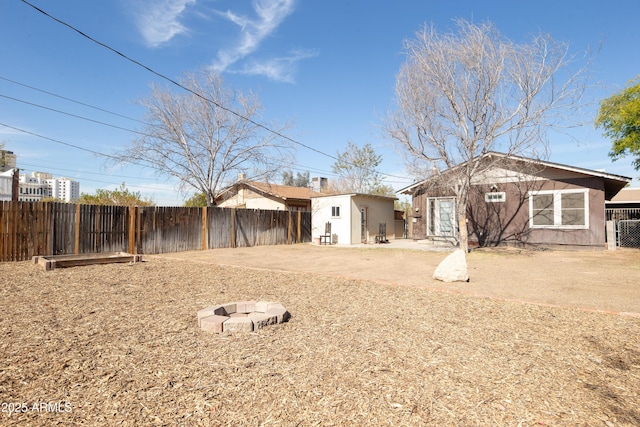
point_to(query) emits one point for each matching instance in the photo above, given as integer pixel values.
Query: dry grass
(120, 344)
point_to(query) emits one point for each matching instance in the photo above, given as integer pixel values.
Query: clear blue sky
(327, 66)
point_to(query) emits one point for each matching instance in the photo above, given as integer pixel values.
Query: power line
(80, 172)
(292, 165)
(176, 83)
(97, 153)
(72, 115)
(181, 86)
(71, 100)
(58, 141)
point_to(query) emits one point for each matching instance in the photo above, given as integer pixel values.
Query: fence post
(611, 235)
(132, 230)
(205, 240)
(299, 227)
(232, 228)
(76, 239)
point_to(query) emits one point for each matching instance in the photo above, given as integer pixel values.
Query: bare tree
(462, 95)
(205, 137)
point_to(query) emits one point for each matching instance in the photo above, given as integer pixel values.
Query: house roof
(284, 192)
(613, 183)
(627, 195)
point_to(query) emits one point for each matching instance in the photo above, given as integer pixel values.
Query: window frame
(501, 197)
(335, 210)
(557, 209)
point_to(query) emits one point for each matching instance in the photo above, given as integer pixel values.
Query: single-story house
(354, 217)
(265, 195)
(518, 201)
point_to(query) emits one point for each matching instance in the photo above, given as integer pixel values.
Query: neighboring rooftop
(627, 195)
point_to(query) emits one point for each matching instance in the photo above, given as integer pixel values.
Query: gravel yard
(119, 344)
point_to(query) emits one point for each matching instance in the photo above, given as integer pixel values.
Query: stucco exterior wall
(249, 199)
(594, 235)
(321, 214)
(378, 211)
(347, 226)
(509, 221)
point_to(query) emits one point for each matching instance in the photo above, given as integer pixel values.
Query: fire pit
(244, 316)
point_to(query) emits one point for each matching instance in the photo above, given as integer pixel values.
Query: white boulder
(453, 268)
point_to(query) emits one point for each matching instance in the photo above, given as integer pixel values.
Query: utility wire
(127, 129)
(79, 172)
(72, 115)
(71, 100)
(181, 86)
(176, 83)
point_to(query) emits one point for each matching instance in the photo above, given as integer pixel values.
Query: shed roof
(373, 196)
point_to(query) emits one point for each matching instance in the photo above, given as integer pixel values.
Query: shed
(354, 217)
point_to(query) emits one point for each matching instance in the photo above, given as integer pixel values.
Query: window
(335, 211)
(495, 197)
(560, 209)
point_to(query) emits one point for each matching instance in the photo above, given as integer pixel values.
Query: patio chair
(325, 239)
(382, 233)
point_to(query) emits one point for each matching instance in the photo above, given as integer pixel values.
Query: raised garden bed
(50, 262)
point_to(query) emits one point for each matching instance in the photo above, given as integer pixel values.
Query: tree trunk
(463, 235)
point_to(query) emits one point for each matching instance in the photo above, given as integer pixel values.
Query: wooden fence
(30, 229)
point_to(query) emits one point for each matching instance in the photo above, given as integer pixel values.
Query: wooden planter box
(62, 261)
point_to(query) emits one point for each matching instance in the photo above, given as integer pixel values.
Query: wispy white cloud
(159, 20)
(269, 14)
(281, 69)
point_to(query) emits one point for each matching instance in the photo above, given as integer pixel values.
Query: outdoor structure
(522, 202)
(355, 218)
(265, 195)
(243, 316)
(52, 262)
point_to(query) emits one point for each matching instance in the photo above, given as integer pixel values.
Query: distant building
(6, 185)
(7, 160)
(32, 188)
(64, 189)
(41, 185)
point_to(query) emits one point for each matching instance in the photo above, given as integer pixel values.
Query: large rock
(453, 268)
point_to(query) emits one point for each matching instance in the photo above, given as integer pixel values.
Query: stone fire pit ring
(243, 316)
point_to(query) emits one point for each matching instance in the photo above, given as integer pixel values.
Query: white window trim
(557, 211)
(502, 197)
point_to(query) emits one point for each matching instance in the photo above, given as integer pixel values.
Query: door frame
(436, 227)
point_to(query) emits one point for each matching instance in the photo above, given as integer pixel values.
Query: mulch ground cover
(119, 345)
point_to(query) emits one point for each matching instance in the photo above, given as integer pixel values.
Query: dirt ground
(372, 340)
(596, 280)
